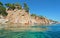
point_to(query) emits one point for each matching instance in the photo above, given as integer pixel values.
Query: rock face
(40, 20)
(18, 16)
(23, 17)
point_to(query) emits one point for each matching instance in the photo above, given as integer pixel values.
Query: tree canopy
(33, 15)
(42, 16)
(1, 4)
(18, 6)
(2, 10)
(12, 7)
(26, 7)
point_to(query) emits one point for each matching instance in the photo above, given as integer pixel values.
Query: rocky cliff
(16, 13)
(23, 17)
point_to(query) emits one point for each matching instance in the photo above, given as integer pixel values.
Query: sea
(43, 31)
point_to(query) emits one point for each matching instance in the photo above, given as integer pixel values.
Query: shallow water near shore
(52, 31)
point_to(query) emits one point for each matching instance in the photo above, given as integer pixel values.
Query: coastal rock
(18, 16)
(23, 17)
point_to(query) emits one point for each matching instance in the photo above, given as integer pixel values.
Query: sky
(48, 8)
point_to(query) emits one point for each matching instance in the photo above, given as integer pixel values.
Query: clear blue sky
(48, 8)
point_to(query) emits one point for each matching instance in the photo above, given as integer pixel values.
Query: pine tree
(26, 7)
(10, 6)
(2, 10)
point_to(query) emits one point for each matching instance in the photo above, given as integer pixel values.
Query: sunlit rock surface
(18, 16)
(21, 16)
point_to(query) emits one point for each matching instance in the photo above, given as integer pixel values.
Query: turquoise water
(52, 32)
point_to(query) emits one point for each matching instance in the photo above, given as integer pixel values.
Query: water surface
(52, 31)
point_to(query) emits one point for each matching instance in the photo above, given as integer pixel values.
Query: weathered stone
(23, 17)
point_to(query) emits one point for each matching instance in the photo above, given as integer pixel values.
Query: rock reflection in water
(22, 27)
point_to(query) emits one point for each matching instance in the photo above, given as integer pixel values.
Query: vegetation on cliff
(12, 7)
(2, 10)
(26, 7)
(40, 16)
